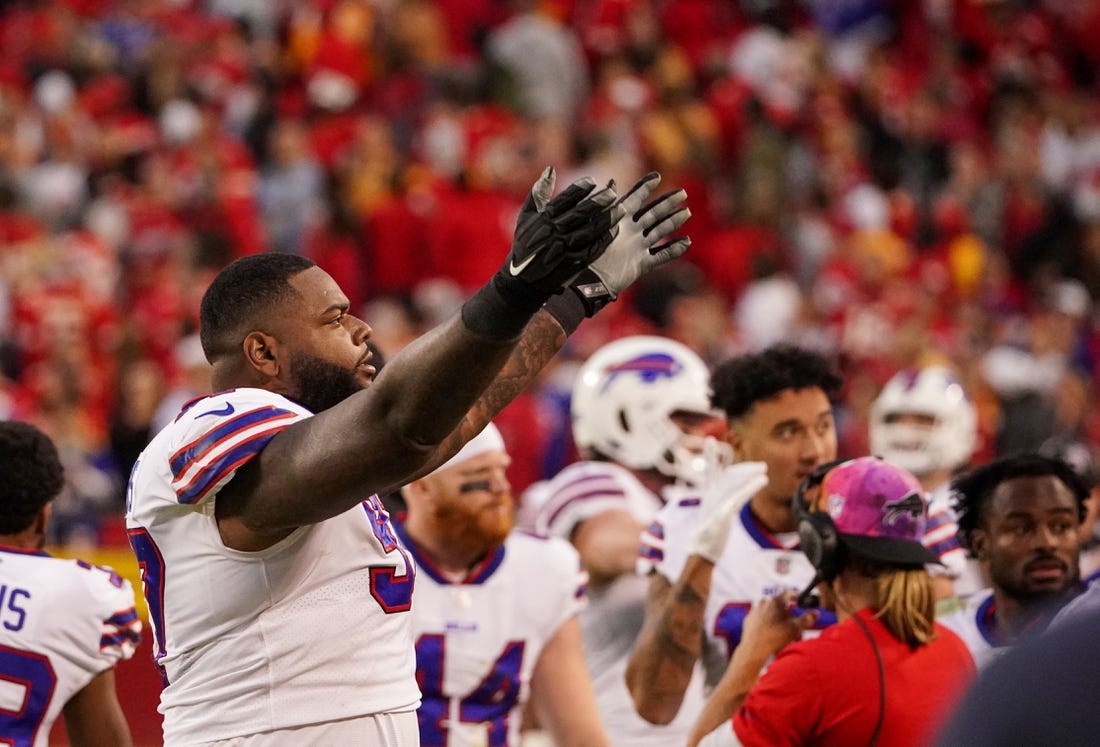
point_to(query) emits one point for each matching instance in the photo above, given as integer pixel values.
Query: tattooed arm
(671, 641)
(542, 339)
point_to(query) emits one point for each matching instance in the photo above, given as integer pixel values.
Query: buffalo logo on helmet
(649, 368)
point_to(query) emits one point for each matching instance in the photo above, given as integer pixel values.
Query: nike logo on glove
(517, 269)
(227, 410)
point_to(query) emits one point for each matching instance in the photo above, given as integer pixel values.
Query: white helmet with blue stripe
(946, 441)
(624, 399)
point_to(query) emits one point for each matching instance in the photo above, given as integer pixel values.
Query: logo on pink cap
(871, 498)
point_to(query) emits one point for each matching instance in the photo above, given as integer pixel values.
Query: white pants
(379, 730)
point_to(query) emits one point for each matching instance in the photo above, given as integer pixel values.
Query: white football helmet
(931, 391)
(623, 399)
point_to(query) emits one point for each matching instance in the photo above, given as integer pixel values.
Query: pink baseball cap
(879, 511)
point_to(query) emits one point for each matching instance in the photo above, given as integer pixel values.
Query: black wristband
(592, 291)
(516, 293)
(567, 308)
(489, 314)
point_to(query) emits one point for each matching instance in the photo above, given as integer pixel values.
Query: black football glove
(555, 239)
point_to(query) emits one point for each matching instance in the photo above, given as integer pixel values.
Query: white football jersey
(586, 489)
(478, 639)
(941, 536)
(974, 619)
(62, 622)
(310, 630)
(755, 564)
(613, 618)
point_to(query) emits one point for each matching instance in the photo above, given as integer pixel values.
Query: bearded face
(480, 525)
(319, 384)
(472, 506)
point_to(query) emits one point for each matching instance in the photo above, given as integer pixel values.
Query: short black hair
(973, 490)
(739, 383)
(240, 294)
(32, 474)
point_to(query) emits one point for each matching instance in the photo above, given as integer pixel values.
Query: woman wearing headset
(886, 674)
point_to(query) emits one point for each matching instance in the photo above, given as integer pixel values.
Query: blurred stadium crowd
(896, 182)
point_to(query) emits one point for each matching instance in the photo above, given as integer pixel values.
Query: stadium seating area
(895, 181)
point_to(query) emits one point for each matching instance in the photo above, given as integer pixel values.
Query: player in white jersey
(924, 421)
(756, 564)
(255, 521)
(205, 598)
(725, 550)
(494, 613)
(1019, 516)
(64, 624)
(640, 407)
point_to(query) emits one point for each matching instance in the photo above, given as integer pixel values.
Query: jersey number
(32, 673)
(489, 703)
(392, 592)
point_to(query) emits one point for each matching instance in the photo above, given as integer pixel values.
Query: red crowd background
(895, 182)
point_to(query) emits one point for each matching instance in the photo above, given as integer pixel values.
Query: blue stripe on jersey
(125, 617)
(945, 546)
(24, 551)
(937, 520)
(231, 460)
(656, 529)
(986, 619)
(758, 531)
(478, 575)
(651, 553)
(573, 499)
(487, 567)
(197, 449)
(119, 638)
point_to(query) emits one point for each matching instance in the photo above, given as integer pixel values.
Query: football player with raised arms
(640, 409)
(278, 592)
(924, 421)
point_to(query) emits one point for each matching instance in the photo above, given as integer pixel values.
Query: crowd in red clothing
(895, 181)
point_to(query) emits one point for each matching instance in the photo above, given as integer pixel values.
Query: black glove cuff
(517, 293)
(491, 314)
(592, 292)
(568, 308)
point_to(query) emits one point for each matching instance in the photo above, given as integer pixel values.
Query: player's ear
(977, 543)
(261, 352)
(42, 521)
(736, 441)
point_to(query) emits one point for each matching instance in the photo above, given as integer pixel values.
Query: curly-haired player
(711, 556)
(1018, 515)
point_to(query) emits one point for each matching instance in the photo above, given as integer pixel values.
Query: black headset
(817, 534)
(818, 539)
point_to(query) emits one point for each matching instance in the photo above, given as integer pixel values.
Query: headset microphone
(808, 598)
